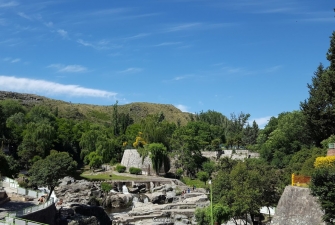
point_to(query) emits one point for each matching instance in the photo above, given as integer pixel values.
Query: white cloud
(131, 70)
(183, 108)
(9, 83)
(261, 121)
(15, 60)
(49, 24)
(167, 44)
(11, 60)
(23, 15)
(181, 27)
(8, 4)
(68, 68)
(100, 45)
(62, 33)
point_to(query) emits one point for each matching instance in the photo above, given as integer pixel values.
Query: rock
(133, 190)
(79, 191)
(92, 211)
(84, 221)
(158, 198)
(117, 200)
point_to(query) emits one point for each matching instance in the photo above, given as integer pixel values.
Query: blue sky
(229, 56)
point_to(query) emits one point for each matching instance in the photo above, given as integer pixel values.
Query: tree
(246, 186)
(323, 186)
(158, 154)
(208, 167)
(221, 214)
(319, 108)
(93, 160)
(288, 137)
(235, 128)
(48, 171)
(203, 176)
(8, 165)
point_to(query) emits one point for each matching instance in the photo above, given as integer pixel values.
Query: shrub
(324, 162)
(119, 168)
(134, 170)
(179, 172)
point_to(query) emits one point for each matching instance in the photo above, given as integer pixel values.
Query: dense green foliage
(323, 187)
(106, 187)
(134, 170)
(120, 168)
(48, 171)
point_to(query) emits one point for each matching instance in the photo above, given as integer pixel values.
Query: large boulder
(118, 200)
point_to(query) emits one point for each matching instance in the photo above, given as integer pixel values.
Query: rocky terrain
(155, 205)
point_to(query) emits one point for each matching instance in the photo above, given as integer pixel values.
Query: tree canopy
(48, 171)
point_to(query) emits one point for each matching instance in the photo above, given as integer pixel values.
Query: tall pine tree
(319, 108)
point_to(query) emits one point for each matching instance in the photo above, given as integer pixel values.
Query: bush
(119, 168)
(134, 170)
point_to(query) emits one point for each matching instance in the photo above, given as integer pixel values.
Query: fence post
(292, 179)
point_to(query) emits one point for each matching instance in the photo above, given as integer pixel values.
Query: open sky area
(254, 56)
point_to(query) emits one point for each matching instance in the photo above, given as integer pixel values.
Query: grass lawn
(199, 184)
(106, 176)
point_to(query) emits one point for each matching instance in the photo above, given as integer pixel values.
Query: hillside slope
(98, 113)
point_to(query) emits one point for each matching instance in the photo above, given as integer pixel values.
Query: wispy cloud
(108, 12)
(183, 108)
(49, 24)
(181, 77)
(68, 68)
(131, 70)
(62, 33)
(273, 69)
(141, 35)
(100, 45)
(11, 60)
(4, 4)
(182, 27)
(10, 83)
(167, 44)
(261, 122)
(23, 15)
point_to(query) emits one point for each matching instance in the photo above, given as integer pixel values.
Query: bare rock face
(80, 191)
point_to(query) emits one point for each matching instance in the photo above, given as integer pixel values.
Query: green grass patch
(190, 182)
(106, 176)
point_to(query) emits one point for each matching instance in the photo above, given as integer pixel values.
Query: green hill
(98, 113)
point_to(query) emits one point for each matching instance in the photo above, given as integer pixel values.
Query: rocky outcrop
(77, 191)
(297, 207)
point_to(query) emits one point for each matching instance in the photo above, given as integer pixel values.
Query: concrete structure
(131, 158)
(297, 207)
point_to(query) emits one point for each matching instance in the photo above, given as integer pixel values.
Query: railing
(18, 221)
(22, 191)
(31, 209)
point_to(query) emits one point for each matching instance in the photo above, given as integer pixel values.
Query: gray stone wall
(297, 207)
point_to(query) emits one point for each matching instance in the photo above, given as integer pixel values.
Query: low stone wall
(297, 207)
(46, 215)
